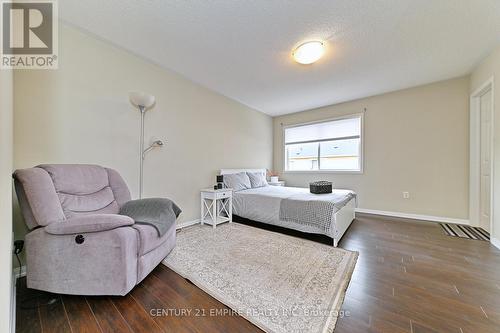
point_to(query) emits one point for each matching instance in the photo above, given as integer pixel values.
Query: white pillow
(257, 179)
(237, 181)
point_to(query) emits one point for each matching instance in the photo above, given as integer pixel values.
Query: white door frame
(475, 153)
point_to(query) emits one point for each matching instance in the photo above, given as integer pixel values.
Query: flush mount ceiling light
(309, 52)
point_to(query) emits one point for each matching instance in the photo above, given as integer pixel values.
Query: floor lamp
(143, 102)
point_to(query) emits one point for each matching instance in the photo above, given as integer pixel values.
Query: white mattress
(262, 204)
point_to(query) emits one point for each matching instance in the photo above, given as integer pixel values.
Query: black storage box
(320, 187)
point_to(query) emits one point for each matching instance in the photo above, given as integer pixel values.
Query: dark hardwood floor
(410, 277)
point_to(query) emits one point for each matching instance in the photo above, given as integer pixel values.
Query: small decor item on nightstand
(273, 176)
(220, 181)
(320, 187)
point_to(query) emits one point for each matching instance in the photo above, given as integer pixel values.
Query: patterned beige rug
(278, 282)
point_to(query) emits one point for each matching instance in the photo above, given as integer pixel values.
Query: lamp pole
(143, 102)
(142, 109)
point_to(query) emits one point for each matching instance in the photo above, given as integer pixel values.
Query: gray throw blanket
(158, 212)
(313, 211)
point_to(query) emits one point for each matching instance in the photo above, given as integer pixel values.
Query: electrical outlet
(406, 195)
(18, 246)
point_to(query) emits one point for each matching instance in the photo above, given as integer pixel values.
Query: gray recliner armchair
(78, 244)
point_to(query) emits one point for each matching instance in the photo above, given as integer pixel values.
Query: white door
(485, 172)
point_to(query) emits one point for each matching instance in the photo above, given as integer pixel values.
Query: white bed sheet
(262, 204)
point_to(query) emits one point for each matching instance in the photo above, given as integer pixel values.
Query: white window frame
(361, 145)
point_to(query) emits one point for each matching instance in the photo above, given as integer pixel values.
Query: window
(333, 145)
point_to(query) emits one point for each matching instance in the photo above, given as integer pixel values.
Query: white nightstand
(216, 206)
(279, 183)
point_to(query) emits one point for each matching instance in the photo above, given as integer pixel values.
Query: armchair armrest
(89, 223)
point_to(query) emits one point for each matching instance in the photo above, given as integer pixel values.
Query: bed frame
(341, 219)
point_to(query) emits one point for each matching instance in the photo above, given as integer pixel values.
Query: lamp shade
(140, 99)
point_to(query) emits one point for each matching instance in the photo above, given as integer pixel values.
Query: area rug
(279, 283)
(465, 231)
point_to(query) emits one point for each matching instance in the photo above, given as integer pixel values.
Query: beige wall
(415, 140)
(81, 114)
(6, 109)
(490, 67)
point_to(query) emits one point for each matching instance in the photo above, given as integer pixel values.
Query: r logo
(27, 28)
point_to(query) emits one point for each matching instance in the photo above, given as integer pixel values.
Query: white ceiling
(241, 49)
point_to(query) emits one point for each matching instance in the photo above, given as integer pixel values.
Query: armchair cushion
(37, 197)
(77, 179)
(89, 223)
(158, 212)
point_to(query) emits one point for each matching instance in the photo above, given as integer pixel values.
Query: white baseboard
(13, 303)
(414, 216)
(15, 275)
(375, 212)
(186, 224)
(495, 242)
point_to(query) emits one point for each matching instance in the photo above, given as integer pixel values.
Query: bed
(295, 208)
